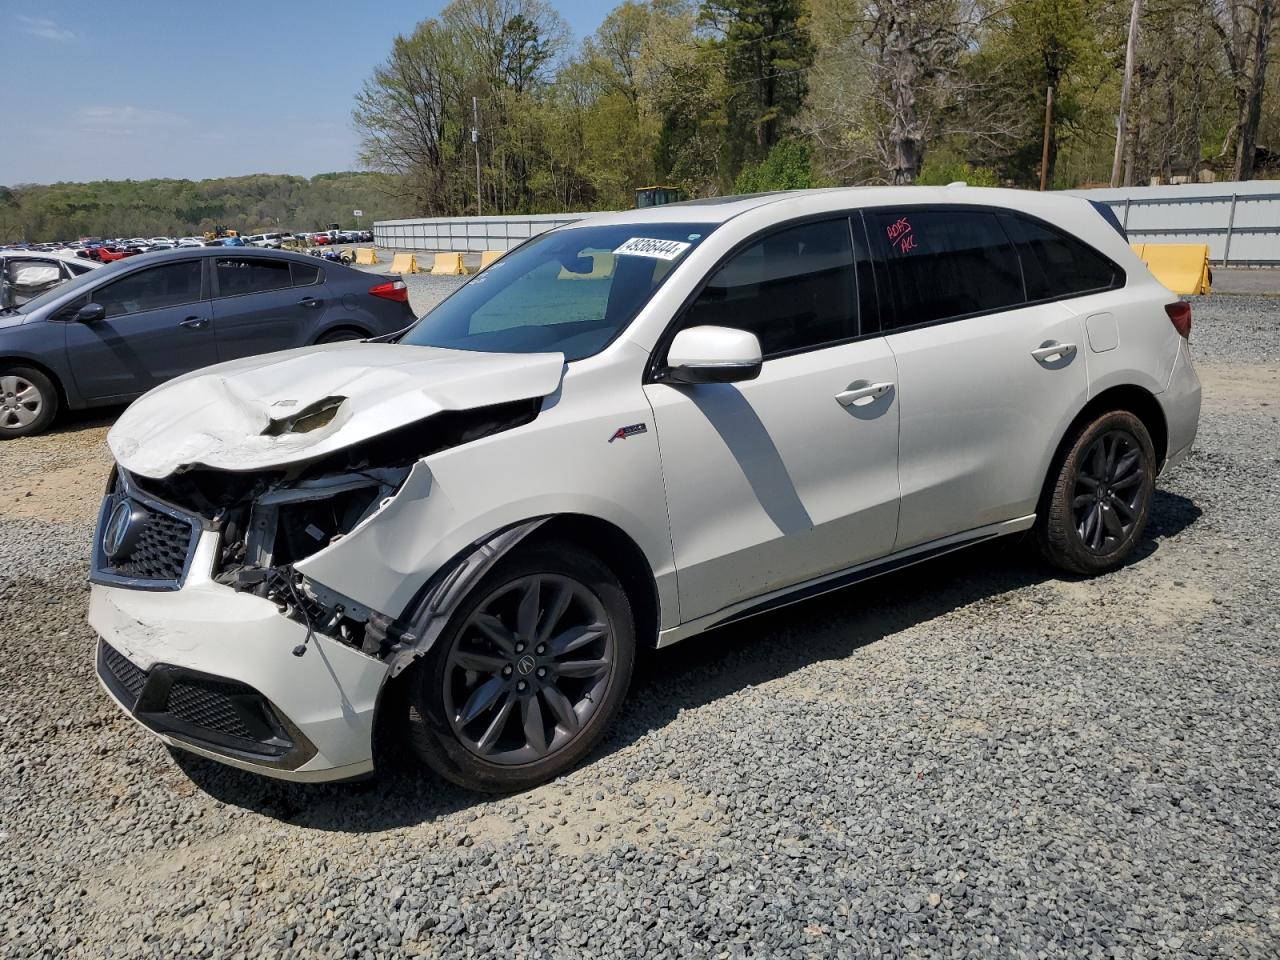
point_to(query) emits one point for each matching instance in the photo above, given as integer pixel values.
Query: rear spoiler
(1109, 215)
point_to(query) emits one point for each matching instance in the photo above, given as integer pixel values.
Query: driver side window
(794, 289)
(167, 285)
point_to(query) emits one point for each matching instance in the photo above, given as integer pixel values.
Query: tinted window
(237, 275)
(164, 286)
(568, 291)
(304, 274)
(1054, 264)
(945, 263)
(794, 290)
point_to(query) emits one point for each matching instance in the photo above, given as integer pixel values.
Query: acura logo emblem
(123, 528)
(525, 665)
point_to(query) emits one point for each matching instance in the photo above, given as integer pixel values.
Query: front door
(787, 477)
(157, 326)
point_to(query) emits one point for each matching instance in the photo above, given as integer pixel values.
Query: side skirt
(842, 578)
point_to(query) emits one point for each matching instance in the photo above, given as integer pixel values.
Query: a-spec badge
(623, 432)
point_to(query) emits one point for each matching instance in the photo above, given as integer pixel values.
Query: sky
(135, 89)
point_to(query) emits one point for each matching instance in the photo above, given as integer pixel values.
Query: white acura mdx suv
(623, 433)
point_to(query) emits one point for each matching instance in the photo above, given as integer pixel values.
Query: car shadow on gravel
(688, 675)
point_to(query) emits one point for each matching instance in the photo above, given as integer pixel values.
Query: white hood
(223, 416)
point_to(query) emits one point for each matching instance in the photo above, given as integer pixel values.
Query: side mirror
(713, 355)
(91, 313)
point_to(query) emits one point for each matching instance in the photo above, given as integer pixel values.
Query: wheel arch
(343, 326)
(621, 554)
(17, 360)
(1131, 397)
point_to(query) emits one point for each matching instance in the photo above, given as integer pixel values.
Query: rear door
(784, 478)
(158, 325)
(988, 381)
(257, 307)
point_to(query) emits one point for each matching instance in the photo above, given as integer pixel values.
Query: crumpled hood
(236, 415)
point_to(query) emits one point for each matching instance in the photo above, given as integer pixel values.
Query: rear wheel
(528, 676)
(28, 402)
(1101, 496)
(342, 335)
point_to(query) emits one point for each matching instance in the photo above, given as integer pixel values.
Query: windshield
(60, 291)
(569, 291)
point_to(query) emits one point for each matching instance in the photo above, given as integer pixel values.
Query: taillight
(392, 290)
(1180, 314)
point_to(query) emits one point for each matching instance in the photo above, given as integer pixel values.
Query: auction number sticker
(658, 249)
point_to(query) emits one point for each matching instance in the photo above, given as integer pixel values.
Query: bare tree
(1245, 28)
(401, 115)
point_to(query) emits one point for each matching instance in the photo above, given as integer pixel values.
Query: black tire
(342, 335)
(20, 414)
(436, 732)
(1098, 500)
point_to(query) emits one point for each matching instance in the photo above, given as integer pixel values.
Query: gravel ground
(971, 758)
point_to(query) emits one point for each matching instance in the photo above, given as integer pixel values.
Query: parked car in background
(25, 275)
(113, 333)
(321, 239)
(470, 530)
(191, 242)
(110, 254)
(268, 241)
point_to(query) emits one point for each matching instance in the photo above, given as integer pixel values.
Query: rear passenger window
(945, 263)
(304, 274)
(1055, 265)
(795, 290)
(237, 275)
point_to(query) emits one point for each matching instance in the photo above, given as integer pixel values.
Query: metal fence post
(1125, 222)
(1231, 222)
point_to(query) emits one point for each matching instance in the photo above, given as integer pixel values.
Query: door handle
(1054, 352)
(869, 392)
(308, 302)
(194, 323)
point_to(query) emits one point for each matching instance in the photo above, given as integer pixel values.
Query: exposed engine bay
(270, 520)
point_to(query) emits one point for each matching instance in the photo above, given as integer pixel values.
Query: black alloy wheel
(1098, 498)
(529, 674)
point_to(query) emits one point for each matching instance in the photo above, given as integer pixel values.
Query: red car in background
(112, 254)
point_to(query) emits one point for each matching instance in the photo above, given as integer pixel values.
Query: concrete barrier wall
(1240, 221)
(465, 234)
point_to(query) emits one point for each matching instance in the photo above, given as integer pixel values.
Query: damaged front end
(268, 521)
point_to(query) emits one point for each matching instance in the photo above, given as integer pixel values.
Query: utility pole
(475, 142)
(1044, 153)
(1126, 91)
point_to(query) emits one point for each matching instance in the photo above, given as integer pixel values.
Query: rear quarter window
(1056, 265)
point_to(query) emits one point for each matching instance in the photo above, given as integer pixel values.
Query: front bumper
(242, 697)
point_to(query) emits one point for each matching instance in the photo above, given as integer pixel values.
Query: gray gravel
(972, 758)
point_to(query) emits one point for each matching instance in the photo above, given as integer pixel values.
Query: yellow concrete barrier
(489, 256)
(601, 267)
(366, 256)
(404, 263)
(448, 265)
(1182, 267)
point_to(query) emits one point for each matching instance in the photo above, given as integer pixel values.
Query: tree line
(720, 96)
(252, 204)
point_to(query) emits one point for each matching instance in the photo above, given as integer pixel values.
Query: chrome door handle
(308, 302)
(872, 391)
(1054, 352)
(194, 323)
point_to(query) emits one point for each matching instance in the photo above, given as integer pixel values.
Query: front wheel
(1101, 496)
(529, 674)
(28, 402)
